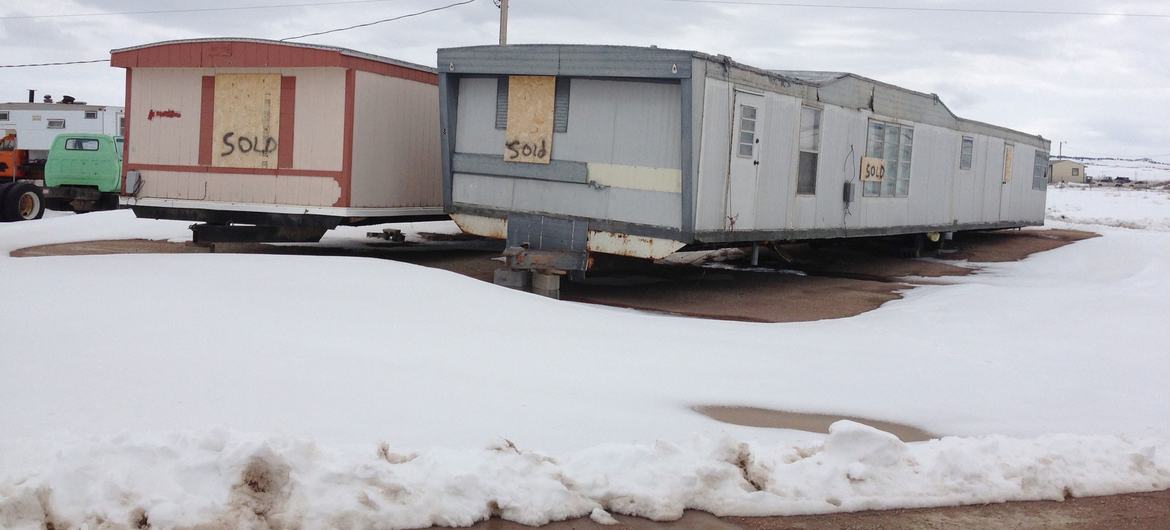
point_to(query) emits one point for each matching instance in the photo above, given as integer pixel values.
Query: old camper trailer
(568, 150)
(290, 138)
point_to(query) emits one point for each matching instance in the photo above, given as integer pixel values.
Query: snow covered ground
(1137, 169)
(347, 392)
(1120, 207)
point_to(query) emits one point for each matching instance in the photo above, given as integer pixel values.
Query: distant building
(1066, 171)
(36, 125)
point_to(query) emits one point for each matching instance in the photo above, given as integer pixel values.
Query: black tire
(4, 187)
(22, 202)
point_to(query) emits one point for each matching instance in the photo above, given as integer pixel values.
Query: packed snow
(320, 392)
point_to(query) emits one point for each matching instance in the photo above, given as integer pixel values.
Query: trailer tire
(22, 202)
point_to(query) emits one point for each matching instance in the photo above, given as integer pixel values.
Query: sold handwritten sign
(247, 120)
(873, 169)
(529, 135)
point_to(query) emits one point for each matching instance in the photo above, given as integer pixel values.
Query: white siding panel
(714, 150)
(168, 141)
(396, 161)
(319, 119)
(776, 184)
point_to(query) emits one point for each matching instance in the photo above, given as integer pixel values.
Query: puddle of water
(819, 423)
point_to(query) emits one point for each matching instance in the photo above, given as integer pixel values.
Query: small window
(810, 148)
(893, 143)
(4, 116)
(1076, 171)
(56, 124)
(91, 114)
(122, 125)
(966, 153)
(81, 144)
(747, 131)
(560, 104)
(1040, 171)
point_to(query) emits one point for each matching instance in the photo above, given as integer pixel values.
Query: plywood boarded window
(247, 120)
(560, 104)
(528, 137)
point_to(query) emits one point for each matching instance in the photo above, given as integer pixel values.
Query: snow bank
(236, 481)
(282, 372)
(1118, 207)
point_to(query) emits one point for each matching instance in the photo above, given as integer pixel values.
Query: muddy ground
(807, 283)
(1145, 511)
(828, 281)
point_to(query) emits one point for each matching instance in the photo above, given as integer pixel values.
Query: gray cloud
(1101, 83)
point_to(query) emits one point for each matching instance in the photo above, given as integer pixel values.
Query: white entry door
(744, 168)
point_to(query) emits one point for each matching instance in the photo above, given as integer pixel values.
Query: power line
(926, 9)
(196, 10)
(30, 65)
(400, 17)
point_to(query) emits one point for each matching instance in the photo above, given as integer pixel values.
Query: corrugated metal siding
(940, 194)
(395, 143)
(621, 122)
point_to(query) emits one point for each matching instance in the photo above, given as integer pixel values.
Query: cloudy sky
(1100, 83)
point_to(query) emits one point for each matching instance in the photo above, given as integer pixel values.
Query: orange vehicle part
(11, 163)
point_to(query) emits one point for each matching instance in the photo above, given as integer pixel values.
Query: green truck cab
(83, 172)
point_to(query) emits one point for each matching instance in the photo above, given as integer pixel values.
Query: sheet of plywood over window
(247, 120)
(530, 119)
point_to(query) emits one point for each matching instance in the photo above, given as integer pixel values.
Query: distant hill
(1146, 169)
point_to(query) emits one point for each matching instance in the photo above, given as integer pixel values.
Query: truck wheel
(22, 202)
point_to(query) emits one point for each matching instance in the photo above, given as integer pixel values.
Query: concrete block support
(546, 284)
(513, 279)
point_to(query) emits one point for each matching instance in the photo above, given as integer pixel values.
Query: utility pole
(1060, 149)
(503, 22)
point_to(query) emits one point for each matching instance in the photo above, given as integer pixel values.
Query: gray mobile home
(571, 150)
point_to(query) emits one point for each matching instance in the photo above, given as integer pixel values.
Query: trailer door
(743, 171)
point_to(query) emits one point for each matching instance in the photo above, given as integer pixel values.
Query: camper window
(893, 143)
(91, 114)
(4, 116)
(56, 124)
(967, 152)
(1040, 171)
(810, 147)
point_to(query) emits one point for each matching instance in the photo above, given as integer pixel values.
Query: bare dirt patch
(779, 419)
(835, 280)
